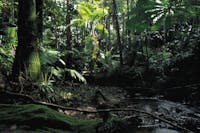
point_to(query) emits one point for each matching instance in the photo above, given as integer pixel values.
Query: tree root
(56, 106)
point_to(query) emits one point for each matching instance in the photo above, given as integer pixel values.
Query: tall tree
(128, 31)
(68, 21)
(27, 58)
(68, 31)
(39, 13)
(117, 28)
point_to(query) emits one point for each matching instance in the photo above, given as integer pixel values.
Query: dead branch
(184, 86)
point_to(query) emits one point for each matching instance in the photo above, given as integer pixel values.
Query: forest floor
(176, 113)
(141, 110)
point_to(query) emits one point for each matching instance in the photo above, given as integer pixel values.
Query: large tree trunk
(27, 58)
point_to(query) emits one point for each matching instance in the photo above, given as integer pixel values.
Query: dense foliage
(132, 39)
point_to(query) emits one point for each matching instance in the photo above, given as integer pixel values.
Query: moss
(33, 69)
(41, 119)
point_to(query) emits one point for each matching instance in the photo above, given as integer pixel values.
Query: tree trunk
(117, 28)
(39, 12)
(27, 58)
(128, 31)
(69, 33)
(68, 21)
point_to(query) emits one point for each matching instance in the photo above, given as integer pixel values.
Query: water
(149, 130)
(173, 110)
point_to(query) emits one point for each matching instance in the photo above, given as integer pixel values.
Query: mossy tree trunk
(27, 58)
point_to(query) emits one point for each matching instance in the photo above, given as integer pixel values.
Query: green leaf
(49, 56)
(100, 27)
(76, 75)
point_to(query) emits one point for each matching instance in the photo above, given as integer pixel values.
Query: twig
(56, 106)
(184, 86)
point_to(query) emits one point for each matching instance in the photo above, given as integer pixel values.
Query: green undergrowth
(41, 119)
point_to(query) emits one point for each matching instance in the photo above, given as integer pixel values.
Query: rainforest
(99, 66)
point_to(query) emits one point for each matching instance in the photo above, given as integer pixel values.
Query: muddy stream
(175, 112)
